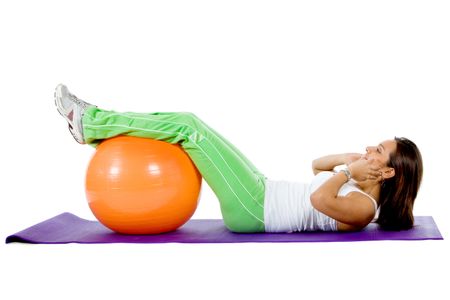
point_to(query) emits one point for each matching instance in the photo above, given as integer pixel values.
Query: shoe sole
(62, 112)
(55, 97)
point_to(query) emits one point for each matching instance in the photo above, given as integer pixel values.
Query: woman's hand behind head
(365, 169)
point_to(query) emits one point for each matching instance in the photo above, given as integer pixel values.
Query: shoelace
(78, 101)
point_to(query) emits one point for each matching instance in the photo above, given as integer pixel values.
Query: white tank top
(288, 208)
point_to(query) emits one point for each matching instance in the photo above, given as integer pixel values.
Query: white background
(285, 81)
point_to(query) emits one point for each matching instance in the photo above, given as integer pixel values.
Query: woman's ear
(388, 173)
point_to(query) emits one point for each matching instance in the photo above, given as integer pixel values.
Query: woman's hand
(351, 157)
(327, 163)
(365, 169)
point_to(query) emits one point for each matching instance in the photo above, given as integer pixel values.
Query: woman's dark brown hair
(398, 193)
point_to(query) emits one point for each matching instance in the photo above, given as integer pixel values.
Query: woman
(381, 184)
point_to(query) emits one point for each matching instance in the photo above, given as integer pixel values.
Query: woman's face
(380, 154)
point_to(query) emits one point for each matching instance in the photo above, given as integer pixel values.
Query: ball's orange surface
(142, 186)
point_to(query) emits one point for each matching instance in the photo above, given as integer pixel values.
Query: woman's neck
(370, 187)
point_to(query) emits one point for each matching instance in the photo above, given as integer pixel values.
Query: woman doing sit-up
(379, 185)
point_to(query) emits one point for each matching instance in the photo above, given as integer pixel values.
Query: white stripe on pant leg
(169, 132)
(136, 116)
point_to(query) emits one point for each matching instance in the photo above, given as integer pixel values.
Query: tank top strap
(351, 187)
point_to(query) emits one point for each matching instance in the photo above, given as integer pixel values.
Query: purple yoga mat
(68, 228)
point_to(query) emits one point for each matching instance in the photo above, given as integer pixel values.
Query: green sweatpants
(238, 185)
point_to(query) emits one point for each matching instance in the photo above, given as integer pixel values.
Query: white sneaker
(72, 109)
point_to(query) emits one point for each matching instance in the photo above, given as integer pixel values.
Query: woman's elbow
(314, 167)
(316, 200)
(322, 201)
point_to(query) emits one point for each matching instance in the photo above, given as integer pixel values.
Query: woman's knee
(192, 122)
(189, 116)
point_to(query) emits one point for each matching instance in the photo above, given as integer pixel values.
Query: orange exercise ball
(142, 186)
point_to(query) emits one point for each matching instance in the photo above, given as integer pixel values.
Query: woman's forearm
(325, 196)
(327, 163)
